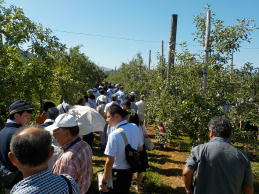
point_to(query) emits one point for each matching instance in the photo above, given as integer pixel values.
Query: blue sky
(147, 20)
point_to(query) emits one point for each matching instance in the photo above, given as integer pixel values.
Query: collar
(220, 139)
(11, 121)
(48, 121)
(38, 175)
(70, 143)
(121, 123)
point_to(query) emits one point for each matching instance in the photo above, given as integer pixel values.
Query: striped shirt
(77, 162)
(44, 182)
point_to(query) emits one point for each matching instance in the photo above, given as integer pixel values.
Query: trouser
(89, 138)
(121, 181)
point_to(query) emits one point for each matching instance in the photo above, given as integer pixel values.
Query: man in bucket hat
(19, 115)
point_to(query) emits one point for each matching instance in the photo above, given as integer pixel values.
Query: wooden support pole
(162, 49)
(172, 43)
(207, 51)
(149, 59)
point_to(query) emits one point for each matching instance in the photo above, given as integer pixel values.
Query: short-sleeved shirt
(77, 162)
(44, 182)
(98, 101)
(100, 109)
(220, 168)
(121, 96)
(109, 105)
(141, 112)
(116, 147)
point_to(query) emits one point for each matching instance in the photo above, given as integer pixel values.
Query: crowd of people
(52, 156)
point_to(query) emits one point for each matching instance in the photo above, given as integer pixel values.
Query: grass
(255, 168)
(164, 174)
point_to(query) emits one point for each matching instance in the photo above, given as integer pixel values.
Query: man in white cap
(77, 157)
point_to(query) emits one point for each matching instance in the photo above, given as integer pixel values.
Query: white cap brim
(51, 128)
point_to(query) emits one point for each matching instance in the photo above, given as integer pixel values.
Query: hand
(104, 188)
(188, 191)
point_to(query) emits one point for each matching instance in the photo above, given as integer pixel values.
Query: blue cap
(19, 106)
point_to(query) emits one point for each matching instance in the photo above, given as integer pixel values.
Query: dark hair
(20, 113)
(133, 118)
(114, 97)
(92, 96)
(220, 126)
(116, 109)
(52, 113)
(31, 149)
(132, 98)
(48, 105)
(126, 103)
(86, 98)
(80, 101)
(102, 91)
(74, 131)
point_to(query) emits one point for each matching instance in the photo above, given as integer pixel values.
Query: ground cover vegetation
(36, 66)
(179, 101)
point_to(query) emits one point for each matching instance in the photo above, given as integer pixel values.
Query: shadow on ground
(162, 159)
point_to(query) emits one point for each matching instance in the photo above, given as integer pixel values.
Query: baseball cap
(102, 98)
(132, 94)
(63, 120)
(19, 106)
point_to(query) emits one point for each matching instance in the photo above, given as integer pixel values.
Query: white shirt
(121, 96)
(140, 104)
(109, 105)
(87, 104)
(11, 121)
(98, 102)
(63, 107)
(134, 106)
(110, 92)
(116, 147)
(92, 103)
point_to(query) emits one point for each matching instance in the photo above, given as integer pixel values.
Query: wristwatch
(104, 182)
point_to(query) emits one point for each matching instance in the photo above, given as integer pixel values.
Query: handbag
(149, 145)
(132, 156)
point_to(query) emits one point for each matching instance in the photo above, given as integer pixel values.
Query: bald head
(31, 146)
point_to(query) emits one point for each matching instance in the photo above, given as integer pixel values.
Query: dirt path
(164, 174)
(166, 166)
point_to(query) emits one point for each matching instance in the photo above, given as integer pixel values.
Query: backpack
(132, 156)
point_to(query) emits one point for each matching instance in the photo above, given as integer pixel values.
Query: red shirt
(76, 161)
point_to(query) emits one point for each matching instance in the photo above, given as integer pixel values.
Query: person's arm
(140, 148)
(107, 172)
(187, 179)
(248, 180)
(248, 189)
